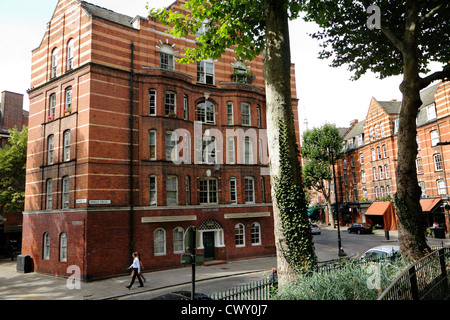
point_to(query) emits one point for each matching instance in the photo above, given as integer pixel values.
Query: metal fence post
(443, 269)
(413, 281)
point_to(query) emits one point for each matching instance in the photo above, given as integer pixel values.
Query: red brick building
(12, 115)
(128, 148)
(367, 174)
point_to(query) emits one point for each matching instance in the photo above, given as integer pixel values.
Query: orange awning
(378, 208)
(428, 204)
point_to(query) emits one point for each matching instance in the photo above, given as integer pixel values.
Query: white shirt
(136, 264)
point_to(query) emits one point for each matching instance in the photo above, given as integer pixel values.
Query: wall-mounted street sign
(99, 201)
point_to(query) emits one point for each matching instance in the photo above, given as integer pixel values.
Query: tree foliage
(249, 28)
(316, 145)
(12, 171)
(237, 24)
(411, 35)
(347, 40)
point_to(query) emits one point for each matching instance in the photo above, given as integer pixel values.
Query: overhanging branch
(439, 75)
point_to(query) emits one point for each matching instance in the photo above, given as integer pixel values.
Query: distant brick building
(12, 115)
(367, 174)
(109, 106)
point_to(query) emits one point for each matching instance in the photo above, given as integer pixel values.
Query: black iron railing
(426, 279)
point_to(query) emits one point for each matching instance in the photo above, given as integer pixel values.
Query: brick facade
(83, 156)
(12, 115)
(372, 144)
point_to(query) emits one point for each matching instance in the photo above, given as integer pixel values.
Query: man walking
(136, 266)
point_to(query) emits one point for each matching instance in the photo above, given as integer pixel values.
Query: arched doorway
(210, 237)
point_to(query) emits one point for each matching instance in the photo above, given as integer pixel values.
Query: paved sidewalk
(35, 286)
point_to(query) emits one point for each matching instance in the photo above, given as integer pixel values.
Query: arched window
(63, 247)
(239, 235)
(166, 57)
(159, 238)
(54, 63)
(70, 52)
(178, 244)
(256, 234)
(46, 246)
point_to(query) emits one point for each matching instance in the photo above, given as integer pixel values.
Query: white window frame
(170, 102)
(152, 96)
(51, 149)
(68, 99)
(246, 114)
(49, 194)
(438, 164)
(210, 193)
(54, 66)
(63, 247)
(239, 235)
(70, 54)
(434, 136)
(167, 57)
(46, 246)
(249, 192)
(206, 112)
(205, 72)
(178, 240)
(171, 144)
(152, 145)
(230, 113)
(441, 189)
(159, 242)
(66, 149)
(255, 231)
(52, 104)
(65, 192)
(231, 150)
(153, 190)
(173, 202)
(248, 150)
(233, 190)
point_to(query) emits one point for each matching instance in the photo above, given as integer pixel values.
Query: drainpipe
(131, 149)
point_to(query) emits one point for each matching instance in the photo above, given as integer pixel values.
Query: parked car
(360, 228)
(182, 295)
(381, 252)
(315, 229)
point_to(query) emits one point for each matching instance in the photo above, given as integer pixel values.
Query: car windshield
(375, 255)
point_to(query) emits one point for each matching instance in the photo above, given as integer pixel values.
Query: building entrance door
(209, 245)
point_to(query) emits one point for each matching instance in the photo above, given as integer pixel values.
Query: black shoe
(129, 287)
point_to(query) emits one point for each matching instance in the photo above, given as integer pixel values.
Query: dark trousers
(136, 274)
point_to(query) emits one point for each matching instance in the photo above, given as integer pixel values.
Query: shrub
(353, 280)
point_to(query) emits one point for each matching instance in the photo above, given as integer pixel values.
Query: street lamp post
(341, 252)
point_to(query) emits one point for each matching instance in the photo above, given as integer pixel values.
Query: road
(355, 244)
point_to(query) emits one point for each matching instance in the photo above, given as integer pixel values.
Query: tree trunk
(412, 238)
(277, 70)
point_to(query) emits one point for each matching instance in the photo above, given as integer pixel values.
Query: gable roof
(357, 129)
(107, 14)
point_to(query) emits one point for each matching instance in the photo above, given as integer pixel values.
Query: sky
(326, 94)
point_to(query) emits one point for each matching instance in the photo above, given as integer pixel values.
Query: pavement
(36, 286)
